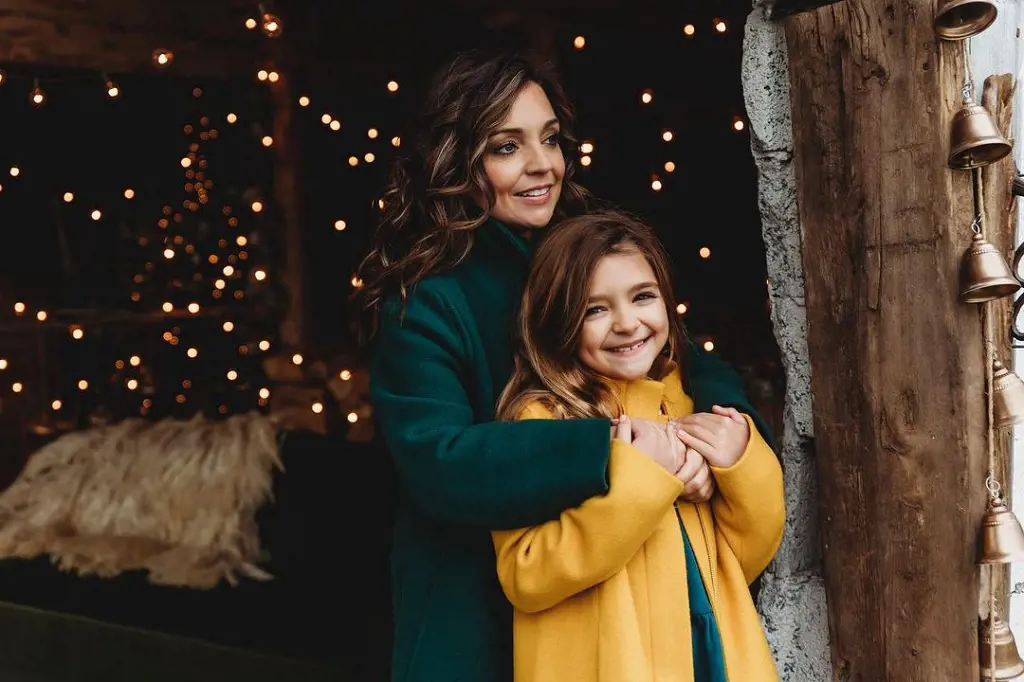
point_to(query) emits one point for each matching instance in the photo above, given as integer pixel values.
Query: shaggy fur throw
(175, 498)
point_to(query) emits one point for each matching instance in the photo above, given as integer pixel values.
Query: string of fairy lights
(235, 267)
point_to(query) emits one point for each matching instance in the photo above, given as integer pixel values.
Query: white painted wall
(995, 51)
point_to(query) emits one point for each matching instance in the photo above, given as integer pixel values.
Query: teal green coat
(434, 381)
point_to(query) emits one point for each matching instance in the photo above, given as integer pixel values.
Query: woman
(489, 163)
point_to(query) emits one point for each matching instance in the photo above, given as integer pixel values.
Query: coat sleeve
(750, 505)
(488, 475)
(540, 566)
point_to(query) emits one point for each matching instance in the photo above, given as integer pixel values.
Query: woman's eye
(506, 148)
(554, 139)
(646, 296)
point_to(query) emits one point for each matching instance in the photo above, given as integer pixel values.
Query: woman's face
(524, 163)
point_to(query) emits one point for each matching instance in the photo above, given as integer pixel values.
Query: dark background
(328, 529)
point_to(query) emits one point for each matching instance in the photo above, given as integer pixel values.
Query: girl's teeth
(535, 193)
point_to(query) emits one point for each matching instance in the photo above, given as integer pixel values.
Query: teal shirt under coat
(435, 377)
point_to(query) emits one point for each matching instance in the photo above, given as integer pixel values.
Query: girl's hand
(720, 436)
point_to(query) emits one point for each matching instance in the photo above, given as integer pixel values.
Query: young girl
(634, 585)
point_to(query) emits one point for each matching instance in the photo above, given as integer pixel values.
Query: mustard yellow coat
(600, 593)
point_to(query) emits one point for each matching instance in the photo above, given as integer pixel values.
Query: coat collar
(496, 237)
(645, 397)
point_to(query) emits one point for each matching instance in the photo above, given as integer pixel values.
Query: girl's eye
(506, 148)
(592, 310)
(554, 139)
(646, 296)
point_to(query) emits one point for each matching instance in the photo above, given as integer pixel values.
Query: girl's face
(625, 325)
(524, 162)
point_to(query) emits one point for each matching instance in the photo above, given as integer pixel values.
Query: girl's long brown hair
(547, 367)
(429, 213)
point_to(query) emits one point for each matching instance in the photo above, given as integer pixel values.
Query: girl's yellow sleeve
(542, 565)
(750, 505)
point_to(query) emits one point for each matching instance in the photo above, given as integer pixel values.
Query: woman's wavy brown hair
(547, 366)
(429, 213)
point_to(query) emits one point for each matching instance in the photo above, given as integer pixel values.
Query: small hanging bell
(959, 19)
(1007, 397)
(974, 139)
(1002, 538)
(1006, 664)
(984, 273)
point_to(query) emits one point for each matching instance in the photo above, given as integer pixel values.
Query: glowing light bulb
(257, 206)
(392, 86)
(41, 316)
(720, 26)
(352, 417)
(228, 326)
(705, 252)
(585, 160)
(19, 308)
(345, 375)
(303, 101)
(15, 171)
(297, 358)
(681, 308)
(317, 407)
(134, 361)
(647, 96)
(56, 405)
(340, 225)
(232, 375)
(335, 125)
(579, 42)
(37, 97)
(273, 76)
(709, 345)
(262, 74)
(167, 306)
(326, 119)
(68, 197)
(77, 333)
(667, 136)
(267, 141)
(264, 345)
(738, 124)
(96, 214)
(587, 147)
(656, 185)
(3, 364)
(353, 160)
(129, 193)
(82, 384)
(670, 166)
(260, 275)
(372, 133)
(168, 253)
(192, 352)
(369, 158)
(193, 307)
(264, 393)
(251, 23)
(271, 25)
(231, 118)
(396, 141)
(689, 30)
(162, 57)
(17, 387)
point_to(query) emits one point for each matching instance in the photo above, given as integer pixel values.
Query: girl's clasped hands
(686, 446)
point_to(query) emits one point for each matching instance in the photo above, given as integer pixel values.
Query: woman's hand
(720, 436)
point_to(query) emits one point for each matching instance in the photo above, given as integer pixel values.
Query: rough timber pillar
(897, 368)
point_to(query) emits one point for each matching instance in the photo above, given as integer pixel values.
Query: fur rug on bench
(175, 498)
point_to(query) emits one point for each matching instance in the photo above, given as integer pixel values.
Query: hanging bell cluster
(961, 19)
(1002, 542)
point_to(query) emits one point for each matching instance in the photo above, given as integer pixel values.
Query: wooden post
(287, 193)
(897, 362)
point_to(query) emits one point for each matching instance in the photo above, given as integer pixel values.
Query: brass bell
(1002, 538)
(984, 273)
(1004, 663)
(1007, 397)
(974, 139)
(959, 19)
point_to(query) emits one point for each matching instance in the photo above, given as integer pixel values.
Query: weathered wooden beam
(779, 9)
(118, 36)
(897, 362)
